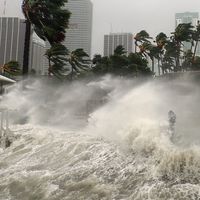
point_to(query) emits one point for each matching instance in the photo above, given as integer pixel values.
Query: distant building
(79, 34)
(188, 17)
(12, 38)
(113, 40)
(37, 59)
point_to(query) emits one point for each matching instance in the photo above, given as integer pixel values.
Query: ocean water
(119, 151)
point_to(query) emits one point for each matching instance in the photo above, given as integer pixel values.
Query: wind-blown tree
(121, 65)
(196, 38)
(11, 68)
(183, 33)
(57, 59)
(141, 37)
(149, 50)
(60, 58)
(49, 20)
(101, 65)
(167, 64)
(119, 61)
(188, 60)
(79, 62)
(170, 56)
(138, 65)
(161, 40)
(119, 50)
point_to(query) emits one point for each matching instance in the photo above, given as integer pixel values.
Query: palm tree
(196, 38)
(161, 40)
(79, 61)
(118, 61)
(141, 37)
(57, 58)
(149, 50)
(119, 50)
(101, 65)
(170, 56)
(11, 68)
(49, 20)
(188, 60)
(183, 33)
(138, 65)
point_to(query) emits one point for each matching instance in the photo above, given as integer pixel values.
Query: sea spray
(123, 151)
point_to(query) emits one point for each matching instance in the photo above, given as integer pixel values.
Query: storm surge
(117, 149)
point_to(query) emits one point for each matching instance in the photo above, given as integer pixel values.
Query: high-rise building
(113, 40)
(12, 39)
(79, 34)
(37, 52)
(12, 36)
(188, 17)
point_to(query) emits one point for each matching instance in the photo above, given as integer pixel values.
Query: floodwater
(119, 150)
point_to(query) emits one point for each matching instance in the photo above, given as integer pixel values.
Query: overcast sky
(127, 16)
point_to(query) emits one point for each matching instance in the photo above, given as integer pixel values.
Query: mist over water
(106, 139)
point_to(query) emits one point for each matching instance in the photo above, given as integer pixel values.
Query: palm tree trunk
(135, 47)
(153, 65)
(26, 48)
(159, 67)
(195, 49)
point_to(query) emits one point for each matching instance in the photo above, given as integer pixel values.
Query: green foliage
(79, 61)
(119, 50)
(121, 65)
(57, 57)
(50, 21)
(183, 32)
(48, 17)
(11, 68)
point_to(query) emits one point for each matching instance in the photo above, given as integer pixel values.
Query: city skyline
(153, 16)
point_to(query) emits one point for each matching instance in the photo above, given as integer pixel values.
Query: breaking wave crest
(122, 152)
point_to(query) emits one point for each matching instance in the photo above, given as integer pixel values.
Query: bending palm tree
(141, 37)
(49, 20)
(161, 40)
(196, 38)
(79, 61)
(57, 58)
(183, 33)
(11, 68)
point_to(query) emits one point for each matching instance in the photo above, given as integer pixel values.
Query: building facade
(12, 36)
(113, 40)
(37, 59)
(79, 34)
(188, 17)
(12, 39)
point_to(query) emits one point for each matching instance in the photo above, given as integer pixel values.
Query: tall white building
(12, 39)
(12, 36)
(37, 52)
(113, 40)
(79, 34)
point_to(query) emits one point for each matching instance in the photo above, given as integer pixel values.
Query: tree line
(49, 19)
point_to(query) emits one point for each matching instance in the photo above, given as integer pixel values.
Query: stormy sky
(126, 16)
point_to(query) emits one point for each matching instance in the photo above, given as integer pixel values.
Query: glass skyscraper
(79, 34)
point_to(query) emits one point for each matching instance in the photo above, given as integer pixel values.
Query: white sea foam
(123, 152)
